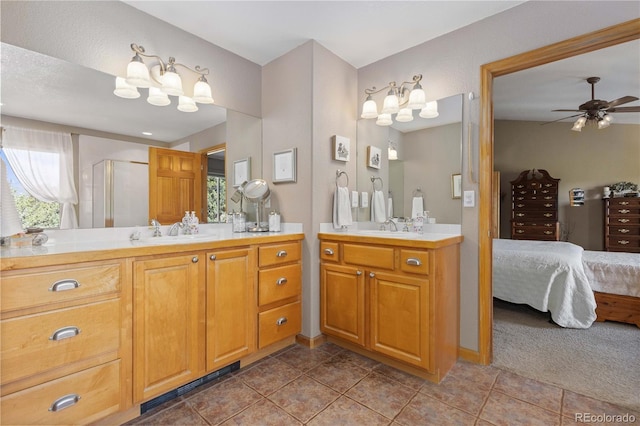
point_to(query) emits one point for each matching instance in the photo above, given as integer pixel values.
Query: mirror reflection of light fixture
(430, 110)
(600, 118)
(162, 80)
(400, 100)
(392, 151)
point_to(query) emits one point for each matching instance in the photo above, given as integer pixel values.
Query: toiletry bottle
(186, 221)
(194, 223)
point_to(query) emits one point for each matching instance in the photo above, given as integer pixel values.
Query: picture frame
(456, 186)
(341, 148)
(284, 166)
(374, 157)
(241, 171)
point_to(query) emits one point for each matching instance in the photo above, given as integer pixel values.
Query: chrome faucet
(391, 224)
(156, 228)
(174, 229)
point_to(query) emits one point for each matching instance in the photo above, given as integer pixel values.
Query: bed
(576, 286)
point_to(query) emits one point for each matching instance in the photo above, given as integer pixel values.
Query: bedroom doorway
(575, 46)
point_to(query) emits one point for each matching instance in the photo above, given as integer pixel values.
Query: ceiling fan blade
(568, 110)
(625, 109)
(622, 100)
(563, 118)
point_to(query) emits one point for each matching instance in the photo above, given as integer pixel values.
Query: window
(216, 199)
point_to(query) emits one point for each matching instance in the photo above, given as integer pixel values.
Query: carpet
(602, 361)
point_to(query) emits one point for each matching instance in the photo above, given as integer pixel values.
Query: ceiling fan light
(202, 91)
(579, 124)
(125, 90)
(384, 120)
(138, 73)
(391, 104)
(369, 108)
(603, 123)
(172, 83)
(404, 115)
(186, 104)
(157, 97)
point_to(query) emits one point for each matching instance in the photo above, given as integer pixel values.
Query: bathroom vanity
(393, 297)
(92, 329)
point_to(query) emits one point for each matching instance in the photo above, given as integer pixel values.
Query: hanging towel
(378, 207)
(417, 207)
(390, 207)
(341, 208)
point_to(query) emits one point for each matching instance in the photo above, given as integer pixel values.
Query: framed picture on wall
(341, 148)
(241, 171)
(284, 166)
(374, 157)
(456, 186)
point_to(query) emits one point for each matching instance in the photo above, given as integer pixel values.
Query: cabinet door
(342, 305)
(169, 324)
(399, 312)
(231, 306)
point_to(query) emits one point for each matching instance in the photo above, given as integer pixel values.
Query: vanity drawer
(373, 256)
(278, 253)
(97, 388)
(329, 251)
(279, 283)
(414, 261)
(36, 343)
(44, 286)
(279, 323)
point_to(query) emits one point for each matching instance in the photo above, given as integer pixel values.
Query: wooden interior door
(175, 184)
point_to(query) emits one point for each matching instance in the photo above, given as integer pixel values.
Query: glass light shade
(202, 92)
(172, 84)
(393, 154)
(579, 124)
(404, 115)
(430, 110)
(157, 97)
(603, 123)
(391, 104)
(384, 120)
(125, 90)
(186, 104)
(369, 109)
(417, 99)
(138, 74)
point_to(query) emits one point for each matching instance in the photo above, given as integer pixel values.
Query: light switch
(469, 199)
(364, 199)
(354, 198)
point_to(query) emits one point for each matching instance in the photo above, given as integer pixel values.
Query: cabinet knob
(328, 251)
(212, 257)
(413, 261)
(282, 253)
(281, 281)
(65, 333)
(371, 274)
(281, 321)
(64, 285)
(194, 259)
(64, 402)
(358, 273)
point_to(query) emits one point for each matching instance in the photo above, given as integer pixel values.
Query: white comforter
(546, 275)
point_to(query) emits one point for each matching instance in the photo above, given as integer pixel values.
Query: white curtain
(43, 163)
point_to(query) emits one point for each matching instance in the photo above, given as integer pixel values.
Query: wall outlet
(469, 199)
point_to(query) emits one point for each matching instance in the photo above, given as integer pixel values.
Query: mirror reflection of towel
(341, 208)
(378, 213)
(417, 207)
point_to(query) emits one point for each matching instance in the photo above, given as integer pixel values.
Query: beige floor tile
(221, 402)
(303, 398)
(406, 379)
(382, 394)
(483, 375)
(338, 374)
(264, 413)
(304, 358)
(503, 410)
(347, 412)
(269, 376)
(458, 392)
(574, 403)
(424, 410)
(532, 391)
(359, 360)
(179, 414)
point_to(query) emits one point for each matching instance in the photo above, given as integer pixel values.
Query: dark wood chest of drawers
(534, 206)
(622, 224)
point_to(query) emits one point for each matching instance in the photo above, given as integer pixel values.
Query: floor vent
(188, 387)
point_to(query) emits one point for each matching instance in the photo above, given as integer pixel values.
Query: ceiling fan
(597, 111)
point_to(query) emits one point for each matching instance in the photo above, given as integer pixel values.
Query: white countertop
(431, 232)
(81, 240)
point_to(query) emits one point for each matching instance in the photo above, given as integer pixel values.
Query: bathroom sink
(178, 239)
(389, 234)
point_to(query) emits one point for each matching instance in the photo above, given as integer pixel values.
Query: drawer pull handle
(623, 242)
(281, 281)
(519, 231)
(64, 402)
(358, 273)
(624, 230)
(548, 214)
(548, 205)
(520, 205)
(371, 274)
(519, 214)
(281, 321)
(282, 253)
(63, 285)
(623, 220)
(624, 211)
(328, 251)
(194, 259)
(413, 262)
(624, 203)
(548, 232)
(65, 333)
(212, 257)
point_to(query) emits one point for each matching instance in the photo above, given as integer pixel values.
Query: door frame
(610, 36)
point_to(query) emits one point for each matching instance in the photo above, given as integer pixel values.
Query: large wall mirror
(428, 164)
(43, 92)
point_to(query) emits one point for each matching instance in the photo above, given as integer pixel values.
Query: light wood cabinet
(393, 302)
(169, 318)
(231, 306)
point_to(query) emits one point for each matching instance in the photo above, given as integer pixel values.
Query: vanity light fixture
(162, 81)
(400, 100)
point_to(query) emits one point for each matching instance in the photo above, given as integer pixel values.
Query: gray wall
(590, 159)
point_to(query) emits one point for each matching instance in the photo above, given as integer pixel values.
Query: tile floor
(332, 386)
